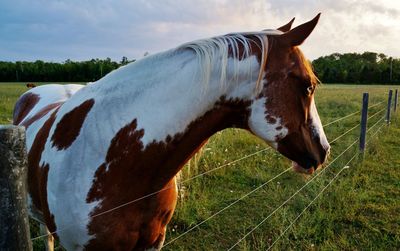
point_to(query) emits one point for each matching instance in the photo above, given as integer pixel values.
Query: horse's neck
(165, 96)
(176, 112)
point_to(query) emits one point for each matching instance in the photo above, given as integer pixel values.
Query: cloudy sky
(56, 30)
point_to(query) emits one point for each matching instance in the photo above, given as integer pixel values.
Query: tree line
(68, 71)
(357, 68)
(364, 68)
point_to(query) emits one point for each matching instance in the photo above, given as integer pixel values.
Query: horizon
(55, 31)
(135, 59)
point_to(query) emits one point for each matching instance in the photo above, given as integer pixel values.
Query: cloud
(80, 30)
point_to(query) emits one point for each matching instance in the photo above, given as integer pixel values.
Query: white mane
(213, 53)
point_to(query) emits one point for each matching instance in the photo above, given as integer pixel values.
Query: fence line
(379, 128)
(351, 129)
(241, 198)
(197, 176)
(223, 209)
(315, 198)
(154, 193)
(349, 115)
(227, 164)
(340, 119)
(293, 195)
(215, 214)
(372, 106)
(375, 124)
(169, 187)
(376, 113)
(319, 194)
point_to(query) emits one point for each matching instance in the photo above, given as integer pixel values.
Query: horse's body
(125, 136)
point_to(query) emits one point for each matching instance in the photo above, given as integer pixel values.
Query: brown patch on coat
(40, 114)
(70, 125)
(37, 174)
(23, 106)
(132, 170)
(255, 48)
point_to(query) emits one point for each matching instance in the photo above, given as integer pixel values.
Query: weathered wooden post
(14, 224)
(364, 118)
(396, 96)
(389, 107)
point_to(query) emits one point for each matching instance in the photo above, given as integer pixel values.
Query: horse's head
(284, 112)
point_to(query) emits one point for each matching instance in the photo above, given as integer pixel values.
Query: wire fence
(337, 120)
(323, 189)
(293, 195)
(299, 190)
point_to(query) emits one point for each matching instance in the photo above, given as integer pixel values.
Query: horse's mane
(214, 53)
(212, 56)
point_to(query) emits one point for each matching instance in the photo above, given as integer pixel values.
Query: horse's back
(34, 106)
(41, 99)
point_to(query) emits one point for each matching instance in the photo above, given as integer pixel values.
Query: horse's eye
(310, 90)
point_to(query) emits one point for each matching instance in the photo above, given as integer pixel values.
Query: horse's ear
(297, 35)
(287, 26)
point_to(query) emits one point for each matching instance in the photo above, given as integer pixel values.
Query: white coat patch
(260, 126)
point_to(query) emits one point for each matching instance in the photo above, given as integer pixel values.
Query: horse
(94, 149)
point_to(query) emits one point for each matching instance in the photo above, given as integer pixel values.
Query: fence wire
(319, 194)
(376, 113)
(154, 193)
(219, 167)
(340, 119)
(315, 198)
(369, 129)
(223, 209)
(293, 195)
(349, 115)
(348, 131)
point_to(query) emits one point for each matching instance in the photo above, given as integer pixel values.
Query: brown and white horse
(95, 147)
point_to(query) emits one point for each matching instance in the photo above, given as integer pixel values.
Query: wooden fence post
(396, 96)
(14, 223)
(364, 118)
(389, 107)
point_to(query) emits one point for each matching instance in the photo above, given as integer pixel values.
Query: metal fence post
(14, 229)
(396, 96)
(364, 117)
(389, 107)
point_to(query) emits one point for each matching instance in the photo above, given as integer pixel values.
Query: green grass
(358, 211)
(9, 93)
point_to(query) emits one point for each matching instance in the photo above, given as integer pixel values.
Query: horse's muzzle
(309, 165)
(299, 169)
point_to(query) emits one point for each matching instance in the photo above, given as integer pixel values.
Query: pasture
(358, 210)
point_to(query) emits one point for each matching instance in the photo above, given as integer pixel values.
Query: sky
(57, 30)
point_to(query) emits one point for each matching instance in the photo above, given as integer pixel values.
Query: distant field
(359, 211)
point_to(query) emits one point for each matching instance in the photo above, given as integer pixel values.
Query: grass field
(360, 210)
